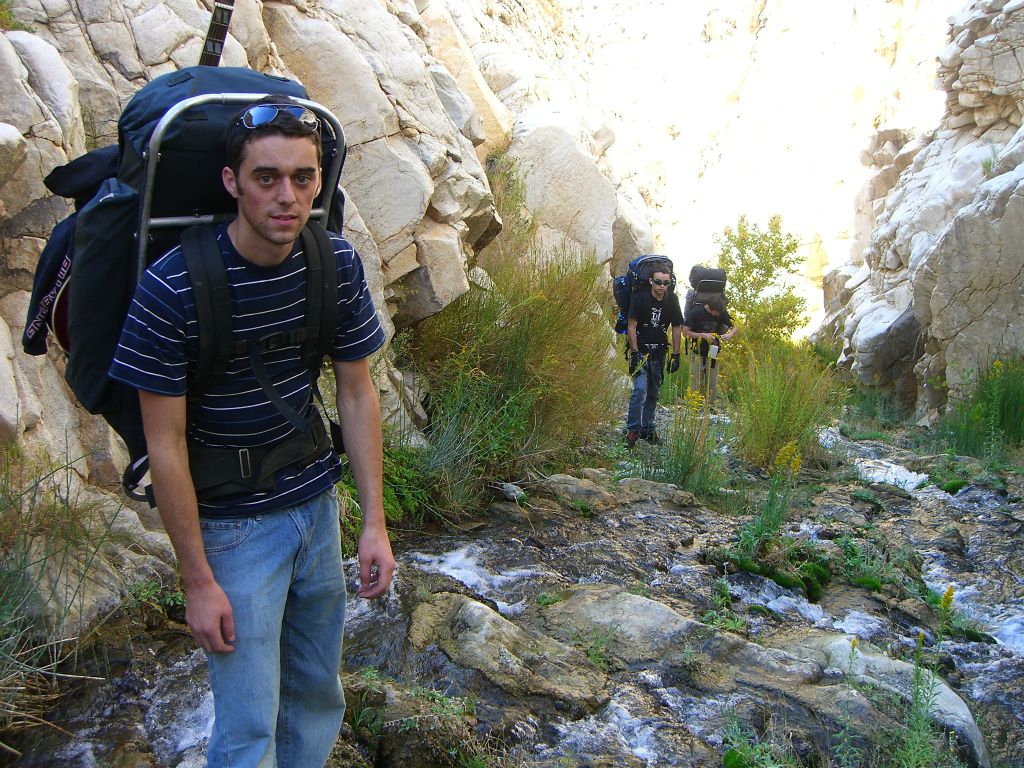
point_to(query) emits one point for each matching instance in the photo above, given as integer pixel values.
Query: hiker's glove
(636, 362)
(673, 363)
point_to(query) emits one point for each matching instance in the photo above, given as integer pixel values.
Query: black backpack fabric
(705, 282)
(638, 274)
(105, 260)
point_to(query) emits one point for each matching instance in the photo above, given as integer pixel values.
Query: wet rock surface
(589, 628)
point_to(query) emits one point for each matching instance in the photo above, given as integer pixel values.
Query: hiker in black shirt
(650, 314)
(708, 325)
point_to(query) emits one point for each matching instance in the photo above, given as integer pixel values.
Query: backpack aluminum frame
(152, 157)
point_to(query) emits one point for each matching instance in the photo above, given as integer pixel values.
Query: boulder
(522, 663)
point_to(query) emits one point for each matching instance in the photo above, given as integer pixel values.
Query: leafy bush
(41, 531)
(781, 396)
(758, 263)
(992, 418)
(518, 372)
(8, 20)
(688, 453)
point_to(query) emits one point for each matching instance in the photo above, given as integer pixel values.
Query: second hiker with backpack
(708, 324)
(259, 554)
(653, 308)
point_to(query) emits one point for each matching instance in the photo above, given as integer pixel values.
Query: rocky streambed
(596, 624)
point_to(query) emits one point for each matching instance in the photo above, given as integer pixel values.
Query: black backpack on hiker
(168, 179)
(705, 282)
(638, 274)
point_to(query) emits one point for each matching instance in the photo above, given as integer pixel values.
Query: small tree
(758, 264)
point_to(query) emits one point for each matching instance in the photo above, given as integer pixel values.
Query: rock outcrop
(940, 291)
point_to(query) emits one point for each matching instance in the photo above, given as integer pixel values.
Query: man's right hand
(209, 616)
(636, 361)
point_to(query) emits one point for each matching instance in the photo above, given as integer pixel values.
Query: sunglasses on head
(264, 114)
(661, 282)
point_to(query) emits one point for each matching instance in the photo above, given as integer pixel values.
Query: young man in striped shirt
(265, 589)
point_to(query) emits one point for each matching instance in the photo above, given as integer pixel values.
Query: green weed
(49, 545)
(546, 598)
(596, 647)
(747, 749)
(688, 453)
(991, 419)
(517, 373)
(8, 21)
(781, 396)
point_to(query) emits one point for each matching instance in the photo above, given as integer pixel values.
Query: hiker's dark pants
(644, 401)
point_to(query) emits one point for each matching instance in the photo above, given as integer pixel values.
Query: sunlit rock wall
(940, 291)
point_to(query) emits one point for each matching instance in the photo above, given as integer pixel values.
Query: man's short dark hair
(283, 124)
(716, 303)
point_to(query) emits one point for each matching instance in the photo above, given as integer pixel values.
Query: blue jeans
(644, 400)
(278, 700)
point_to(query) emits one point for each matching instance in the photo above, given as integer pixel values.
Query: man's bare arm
(359, 409)
(207, 608)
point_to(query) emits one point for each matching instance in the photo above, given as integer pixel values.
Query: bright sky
(712, 122)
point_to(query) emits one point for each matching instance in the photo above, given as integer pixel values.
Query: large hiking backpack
(168, 180)
(638, 274)
(705, 282)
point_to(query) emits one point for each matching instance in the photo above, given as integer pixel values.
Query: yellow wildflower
(853, 643)
(788, 459)
(947, 599)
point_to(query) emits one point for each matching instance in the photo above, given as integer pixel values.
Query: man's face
(659, 284)
(278, 179)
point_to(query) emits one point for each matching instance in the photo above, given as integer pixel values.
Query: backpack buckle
(245, 463)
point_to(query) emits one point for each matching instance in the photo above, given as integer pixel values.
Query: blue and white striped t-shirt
(159, 348)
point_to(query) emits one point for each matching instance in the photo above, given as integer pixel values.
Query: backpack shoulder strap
(321, 294)
(209, 280)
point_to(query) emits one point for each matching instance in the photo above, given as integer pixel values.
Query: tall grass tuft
(780, 396)
(992, 418)
(688, 453)
(41, 532)
(517, 371)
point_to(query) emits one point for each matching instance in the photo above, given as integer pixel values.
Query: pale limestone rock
(943, 296)
(10, 406)
(48, 421)
(564, 188)
(521, 662)
(440, 278)
(446, 42)
(52, 81)
(391, 211)
(348, 87)
(457, 104)
(870, 666)
(13, 149)
(631, 231)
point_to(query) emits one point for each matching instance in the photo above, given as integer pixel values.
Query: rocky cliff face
(414, 85)
(939, 292)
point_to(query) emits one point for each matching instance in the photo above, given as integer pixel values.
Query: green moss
(870, 583)
(953, 485)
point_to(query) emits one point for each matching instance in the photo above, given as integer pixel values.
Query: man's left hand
(376, 564)
(673, 363)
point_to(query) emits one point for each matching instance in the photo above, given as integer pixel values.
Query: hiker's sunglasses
(264, 114)
(661, 282)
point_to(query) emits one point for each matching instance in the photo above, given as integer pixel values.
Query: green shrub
(781, 396)
(518, 373)
(992, 418)
(8, 20)
(688, 453)
(758, 264)
(41, 530)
